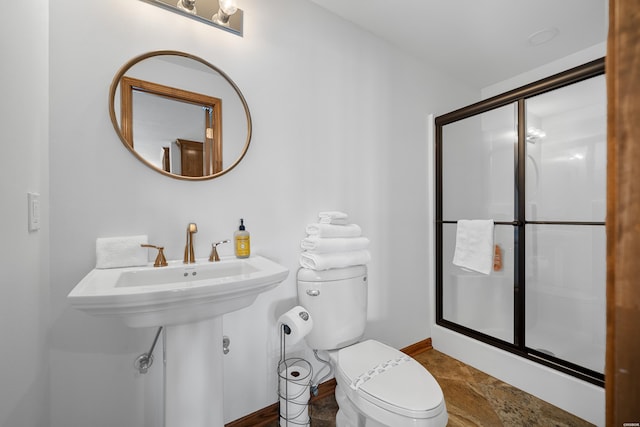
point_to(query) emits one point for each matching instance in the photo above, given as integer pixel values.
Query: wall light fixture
(222, 14)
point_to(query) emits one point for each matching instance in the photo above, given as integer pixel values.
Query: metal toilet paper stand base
(294, 382)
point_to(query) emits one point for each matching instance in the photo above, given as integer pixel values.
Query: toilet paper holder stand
(294, 381)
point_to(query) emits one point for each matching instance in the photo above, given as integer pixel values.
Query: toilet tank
(336, 299)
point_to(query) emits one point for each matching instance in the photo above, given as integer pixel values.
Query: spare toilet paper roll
(295, 394)
(299, 322)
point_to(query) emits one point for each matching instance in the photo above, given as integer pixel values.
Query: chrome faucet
(189, 255)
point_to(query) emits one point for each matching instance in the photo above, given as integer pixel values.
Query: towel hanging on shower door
(474, 245)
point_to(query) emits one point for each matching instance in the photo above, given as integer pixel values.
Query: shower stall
(533, 160)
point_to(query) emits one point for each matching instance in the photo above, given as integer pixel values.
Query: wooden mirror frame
(124, 85)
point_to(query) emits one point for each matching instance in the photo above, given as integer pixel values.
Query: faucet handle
(161, 261)
(214, 257)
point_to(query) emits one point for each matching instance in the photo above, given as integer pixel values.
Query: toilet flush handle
(313, 292)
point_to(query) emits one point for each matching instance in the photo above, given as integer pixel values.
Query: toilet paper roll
(294, 384)
(299, 322)
(297, 414)
(295, 393)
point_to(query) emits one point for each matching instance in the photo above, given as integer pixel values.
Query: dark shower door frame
(518, 96)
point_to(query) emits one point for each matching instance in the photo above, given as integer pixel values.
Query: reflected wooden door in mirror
(191, 157)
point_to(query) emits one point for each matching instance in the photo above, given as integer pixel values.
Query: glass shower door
(565, 214)
(477, 183)
(533, 160)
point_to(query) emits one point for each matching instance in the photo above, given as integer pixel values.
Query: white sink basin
(176, 294)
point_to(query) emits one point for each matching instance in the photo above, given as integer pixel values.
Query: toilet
(377, 385)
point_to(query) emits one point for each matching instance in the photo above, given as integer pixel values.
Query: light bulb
(229, 7)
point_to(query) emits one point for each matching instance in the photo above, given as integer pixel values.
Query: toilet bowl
(399, 393)
(377, 385)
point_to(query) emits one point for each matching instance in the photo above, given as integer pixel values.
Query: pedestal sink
(189, 301)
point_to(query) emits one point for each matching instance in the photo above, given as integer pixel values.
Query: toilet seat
(386, 378)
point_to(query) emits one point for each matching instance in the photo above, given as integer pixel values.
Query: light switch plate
(34, 211)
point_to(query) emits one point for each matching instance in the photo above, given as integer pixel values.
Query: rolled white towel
(326, 261)
(114, 252)
(333, 217)
(334, 230)
(333, 244)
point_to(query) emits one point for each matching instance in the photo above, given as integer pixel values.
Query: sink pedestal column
(194, 374)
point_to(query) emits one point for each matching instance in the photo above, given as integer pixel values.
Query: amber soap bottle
(242, 241)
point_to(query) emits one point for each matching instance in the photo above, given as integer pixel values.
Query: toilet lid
(390, 379)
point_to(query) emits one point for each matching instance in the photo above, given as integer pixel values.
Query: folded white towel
(333, 217)
(333, 230)
(326, 261)
(333, 244)
(113, 252)
(474, 245)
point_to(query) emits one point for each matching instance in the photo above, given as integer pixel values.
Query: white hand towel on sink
(474, 245)
(114, 252)
(334, 230)
(326, 261)
(333, 244)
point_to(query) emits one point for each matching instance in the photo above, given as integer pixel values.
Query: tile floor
(473, 399)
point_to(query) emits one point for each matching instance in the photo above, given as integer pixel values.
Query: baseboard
(265, 416)
(260, 418)
(417, 348)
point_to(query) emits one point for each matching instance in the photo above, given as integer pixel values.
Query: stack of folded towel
(333, 242)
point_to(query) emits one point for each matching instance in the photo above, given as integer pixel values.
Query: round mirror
(180, 115)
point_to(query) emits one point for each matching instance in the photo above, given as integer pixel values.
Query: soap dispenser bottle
(242, 241)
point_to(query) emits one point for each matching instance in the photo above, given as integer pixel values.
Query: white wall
(339, 123)
(574, 60)
(24, 289)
